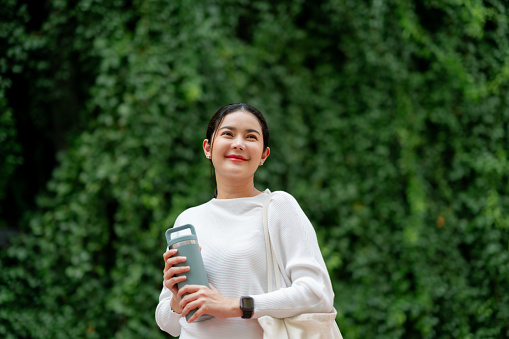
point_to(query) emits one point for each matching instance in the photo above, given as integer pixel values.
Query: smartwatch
(247, 307)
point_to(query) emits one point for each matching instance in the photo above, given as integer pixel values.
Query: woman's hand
(207, 301)
(170, 278)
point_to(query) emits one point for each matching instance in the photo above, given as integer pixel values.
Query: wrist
(235, 308)
(175, 305)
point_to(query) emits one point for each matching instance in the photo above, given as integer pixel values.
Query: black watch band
(247, 307)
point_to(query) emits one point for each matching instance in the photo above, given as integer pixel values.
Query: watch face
(247, 303)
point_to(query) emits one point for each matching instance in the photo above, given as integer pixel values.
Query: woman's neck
(228, 189)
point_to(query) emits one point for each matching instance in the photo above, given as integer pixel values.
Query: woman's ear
(206, 148)
(265, 154)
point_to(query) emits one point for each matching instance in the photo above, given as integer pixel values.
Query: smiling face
(237, 146)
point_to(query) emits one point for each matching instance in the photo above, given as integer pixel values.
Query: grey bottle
(187, 246)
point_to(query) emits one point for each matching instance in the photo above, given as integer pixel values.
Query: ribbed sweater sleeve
(298, 254)
(166, 319)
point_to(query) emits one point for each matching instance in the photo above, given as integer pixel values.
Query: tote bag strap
(272, 265)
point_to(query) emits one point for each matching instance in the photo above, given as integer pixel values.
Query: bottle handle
(178, 229)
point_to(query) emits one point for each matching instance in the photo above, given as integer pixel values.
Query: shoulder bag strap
(272, 265)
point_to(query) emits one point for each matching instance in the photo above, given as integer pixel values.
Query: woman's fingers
(191, 290)
(173, 260)
(171, 271)
(192, 298)
(172, 277)
(171, 283)
(190, 293)
(169, 253)
(197, 305)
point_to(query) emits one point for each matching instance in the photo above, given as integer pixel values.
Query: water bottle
(187, 246)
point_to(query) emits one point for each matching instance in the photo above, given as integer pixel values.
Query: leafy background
(389, 124)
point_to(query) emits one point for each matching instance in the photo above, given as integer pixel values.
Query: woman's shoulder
(282, 195)
(285, 198)
(285, 211)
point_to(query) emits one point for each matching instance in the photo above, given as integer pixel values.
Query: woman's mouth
(234, 157)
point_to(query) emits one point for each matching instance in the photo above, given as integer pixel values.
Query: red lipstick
(235, 157)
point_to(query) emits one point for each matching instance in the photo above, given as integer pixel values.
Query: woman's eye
(252, 137)
(227, 133)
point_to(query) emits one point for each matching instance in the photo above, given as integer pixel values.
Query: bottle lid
(172, 239)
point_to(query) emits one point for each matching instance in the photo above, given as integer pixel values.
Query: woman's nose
(238, 144)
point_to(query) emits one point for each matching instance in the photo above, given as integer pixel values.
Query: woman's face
(237, 146)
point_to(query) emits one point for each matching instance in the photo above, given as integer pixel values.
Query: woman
(230, 231)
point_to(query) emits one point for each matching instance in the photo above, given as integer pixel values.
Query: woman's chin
(236, 173)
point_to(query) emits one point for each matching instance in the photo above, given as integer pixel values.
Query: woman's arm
(168, 310)
(301, 262)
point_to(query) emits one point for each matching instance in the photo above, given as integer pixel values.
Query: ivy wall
(389, 123)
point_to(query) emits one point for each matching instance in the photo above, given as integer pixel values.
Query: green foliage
(389, 124)
(9, 148)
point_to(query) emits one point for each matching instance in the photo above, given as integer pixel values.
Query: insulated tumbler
(187, 246)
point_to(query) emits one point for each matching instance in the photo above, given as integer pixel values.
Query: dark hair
(218, 118)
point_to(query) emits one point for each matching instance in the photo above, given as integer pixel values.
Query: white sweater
(230, 232)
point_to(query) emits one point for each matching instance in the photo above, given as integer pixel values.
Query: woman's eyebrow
(249, 130)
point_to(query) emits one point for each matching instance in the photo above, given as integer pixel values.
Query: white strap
(272, 265)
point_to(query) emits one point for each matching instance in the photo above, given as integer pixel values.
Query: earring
(261, 163)
(208, 156)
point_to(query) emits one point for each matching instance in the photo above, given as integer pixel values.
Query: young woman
(230, 231)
